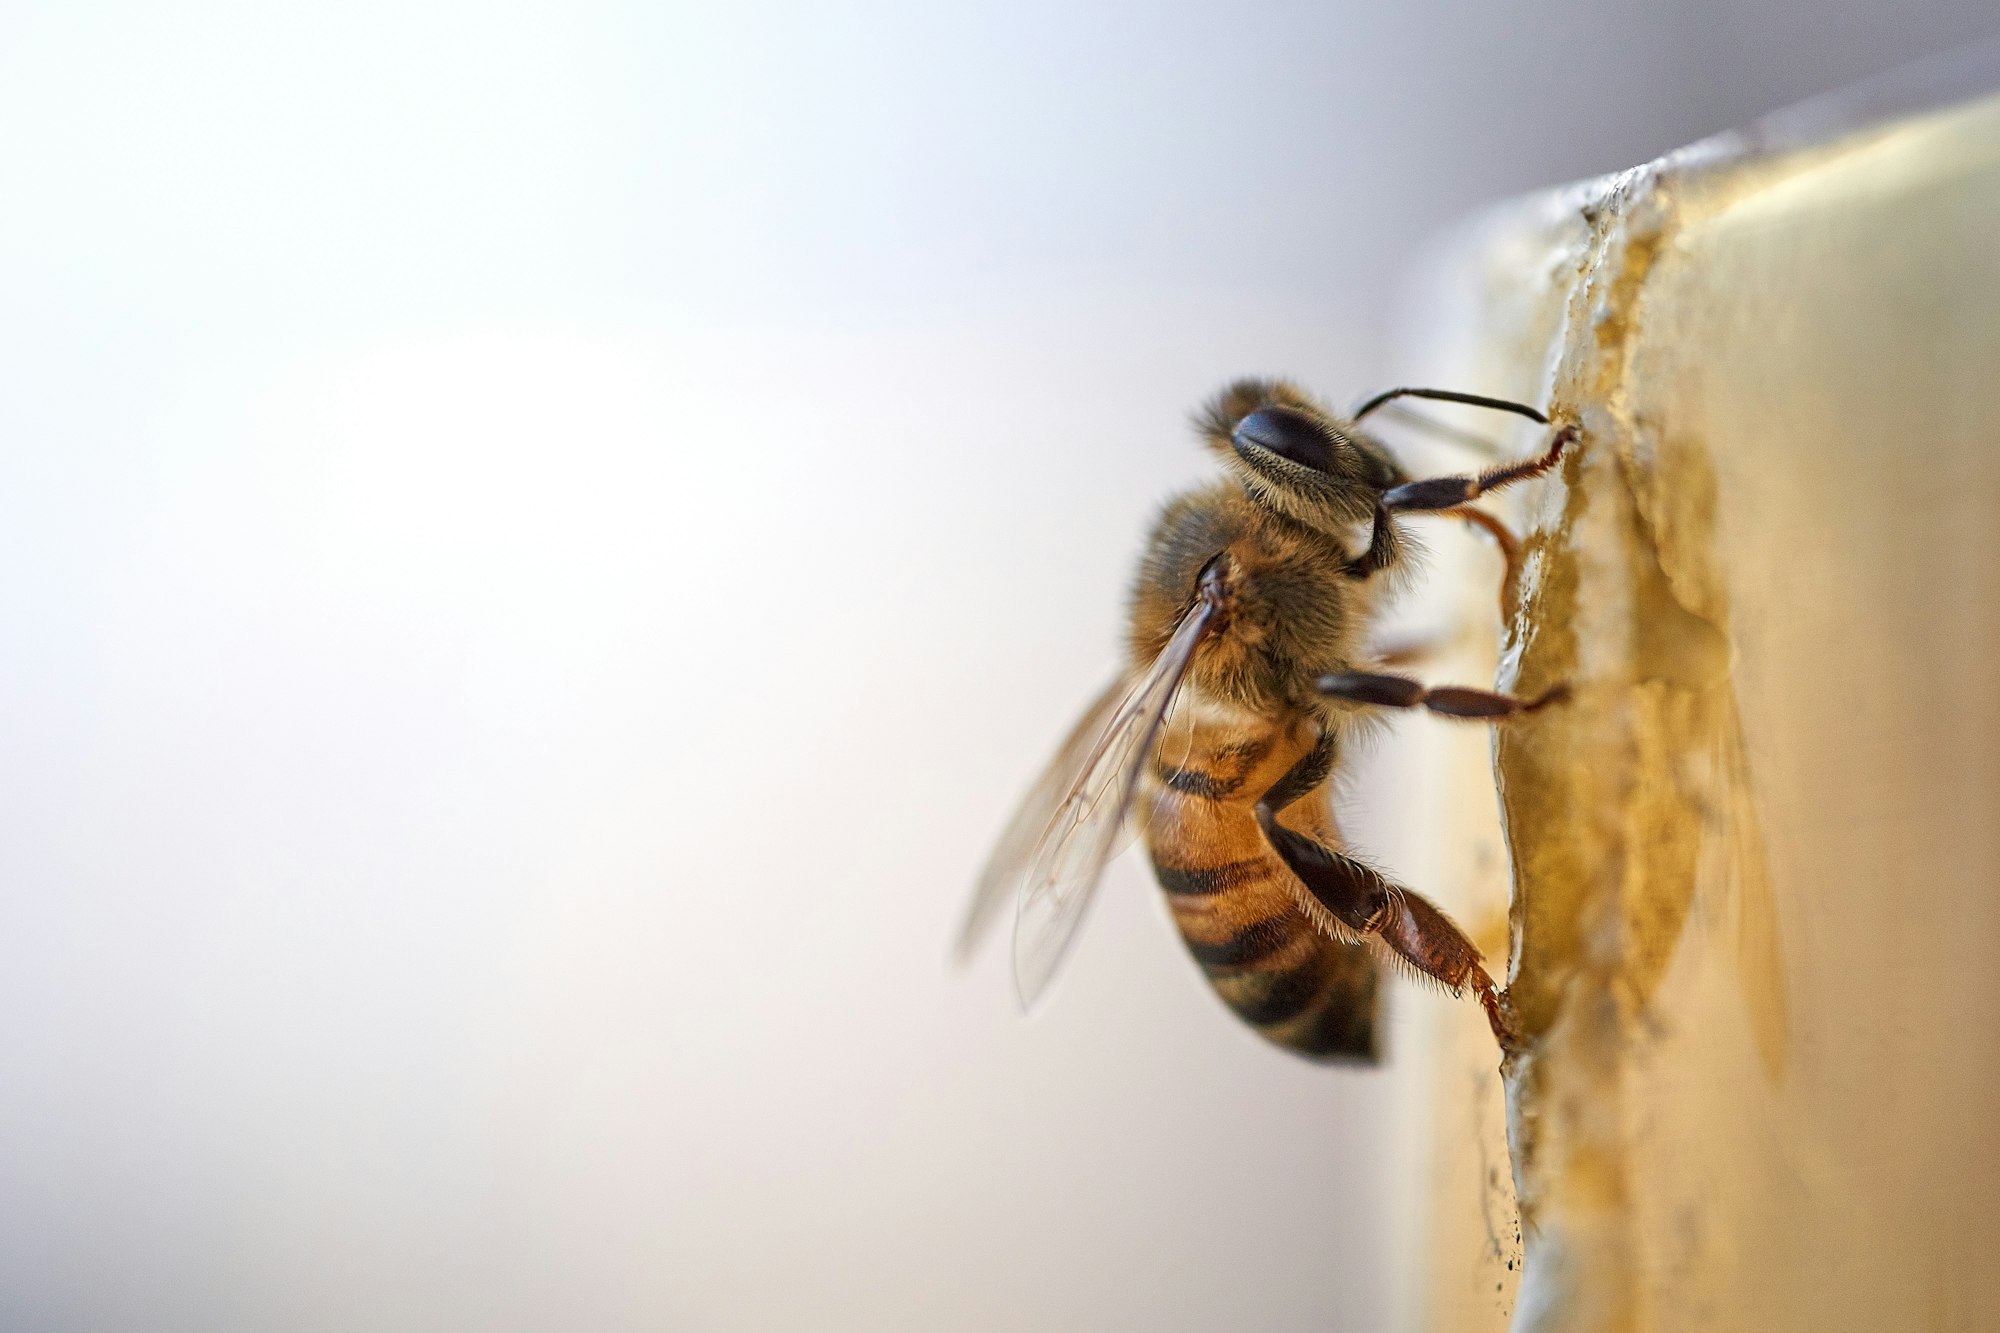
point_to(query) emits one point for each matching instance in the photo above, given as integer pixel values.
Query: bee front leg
(1434, 493)
(1450, 495)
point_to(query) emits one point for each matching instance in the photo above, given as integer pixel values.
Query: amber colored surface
(1757, 858)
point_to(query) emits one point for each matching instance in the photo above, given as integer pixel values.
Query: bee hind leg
(1364, 901)
(1432, 943)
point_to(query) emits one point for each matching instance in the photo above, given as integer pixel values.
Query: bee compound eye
(1287, 433)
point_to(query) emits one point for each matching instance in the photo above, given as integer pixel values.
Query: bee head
(1295, 457)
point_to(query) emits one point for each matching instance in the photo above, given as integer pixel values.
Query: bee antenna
(1451, 396)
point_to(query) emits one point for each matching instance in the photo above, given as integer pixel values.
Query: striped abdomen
(1236, 902)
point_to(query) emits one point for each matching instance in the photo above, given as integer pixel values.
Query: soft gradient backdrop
(538, 545)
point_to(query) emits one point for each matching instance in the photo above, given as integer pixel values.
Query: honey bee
(1249, 672)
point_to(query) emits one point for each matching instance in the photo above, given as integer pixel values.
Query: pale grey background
(537, 545)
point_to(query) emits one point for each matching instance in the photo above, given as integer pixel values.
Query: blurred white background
(538, 544)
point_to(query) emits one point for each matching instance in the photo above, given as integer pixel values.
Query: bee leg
(1382, 547)
(1451, 495)
(1411, 651)
(1510, 552)
(1305, 777)
(1432, 943)
(1434, 493)
(1385, 691)
(1364, 901)
(1357, 895)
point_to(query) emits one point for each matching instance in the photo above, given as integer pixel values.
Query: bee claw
(1499, 1016)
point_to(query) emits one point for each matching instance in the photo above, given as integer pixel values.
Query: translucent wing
(1000, 880)
(1083, 834)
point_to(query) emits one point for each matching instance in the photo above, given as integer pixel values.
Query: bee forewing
(1088, 827)
(1000, 880)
